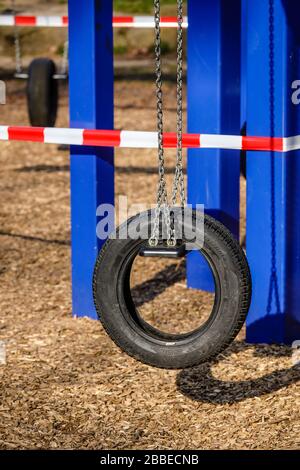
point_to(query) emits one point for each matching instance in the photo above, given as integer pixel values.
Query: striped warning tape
(135, 139)
(62, 21)
(43, 21)
(147, 22)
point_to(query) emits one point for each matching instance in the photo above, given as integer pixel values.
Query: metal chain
(65, 59)
(179, 176)
(273, 288)
(17, 43)
(162, 195)
(162, 208)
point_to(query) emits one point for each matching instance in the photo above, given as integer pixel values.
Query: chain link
(179, 177)
(274, 287)
(65, 59)
(163, 208)
(17, 42)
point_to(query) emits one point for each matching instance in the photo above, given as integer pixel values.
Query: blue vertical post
(273, 179)
(91, 106)
(214, 43)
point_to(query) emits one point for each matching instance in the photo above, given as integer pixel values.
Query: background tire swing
(168, 236)
(42, 93)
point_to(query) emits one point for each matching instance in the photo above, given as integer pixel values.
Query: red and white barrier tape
(42, 21)
(147, 22)
(133, 139)
(62, 21)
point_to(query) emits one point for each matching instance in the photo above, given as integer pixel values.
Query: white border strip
(49, 21)
(148, 22)
(291, 143)
(132, 139)
(63, 136)
(7, 20)
(221, 141)
(4, 133)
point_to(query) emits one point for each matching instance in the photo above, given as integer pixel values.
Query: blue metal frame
(91, 106)
(214, 70)
(273, 180)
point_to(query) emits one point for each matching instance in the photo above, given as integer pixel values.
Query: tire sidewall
(42, 93)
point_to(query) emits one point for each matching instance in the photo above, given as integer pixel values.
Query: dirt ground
(65, 384)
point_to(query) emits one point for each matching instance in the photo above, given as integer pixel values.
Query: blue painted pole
(91, 106)
(214, 69)
(273, 180)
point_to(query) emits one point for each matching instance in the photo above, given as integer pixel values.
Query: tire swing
(42, 93)
(171, 232)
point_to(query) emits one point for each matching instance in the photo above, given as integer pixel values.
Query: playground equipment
(232, 39)
(122, 319)
(42, 86)
(42, 92)
(235, 41)
(166, 236)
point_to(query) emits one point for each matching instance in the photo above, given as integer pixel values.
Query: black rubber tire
(120, 318)
(42, 93)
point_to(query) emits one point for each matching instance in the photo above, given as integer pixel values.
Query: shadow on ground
(150, 289)
(129, 170)
(200, 385)
(31, 238)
